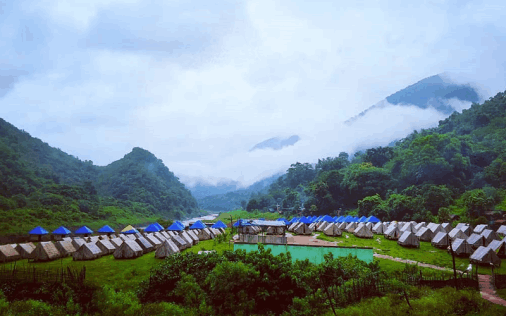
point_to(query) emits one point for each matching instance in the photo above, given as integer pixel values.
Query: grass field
(426, 253)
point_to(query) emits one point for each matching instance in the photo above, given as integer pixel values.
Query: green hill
(457, 168)
(44, 185)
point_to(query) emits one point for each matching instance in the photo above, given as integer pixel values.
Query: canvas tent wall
(489, 236)
(303, 229)
(153, 240)
(436, 228)
(502, 230)
(392, 233)
(466, 230)
(408, 239)
(499, 246)
(424, 234)
(88, 251)
(106, 247)
(25, 250)
(166, 249)
(65, 248)
(193, 236)
(8, 253)
(350, 228)
(408, 227)
(420, 225)
(332, 230)
(363, 232)
(457, 233)
(116, 242)
(45, 251)
(476, 240)
(447, 227)
(321, 226)
(145, 245)
(441, 240)
(78, 242)
(485, 256)
(129, 249)
(180, 243)
(480, 228)
(202, 234)
(378, 228)
(461, 248)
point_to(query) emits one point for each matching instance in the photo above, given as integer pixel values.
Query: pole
(454, 269)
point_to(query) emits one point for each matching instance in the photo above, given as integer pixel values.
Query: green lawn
(426, 253)
(225, 217)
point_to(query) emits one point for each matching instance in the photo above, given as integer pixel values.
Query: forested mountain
(202, 189)
(40, 183)
(236, 199)
(433, 91)
(458, 167)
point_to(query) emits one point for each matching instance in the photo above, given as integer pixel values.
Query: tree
(378, 156)
(361, 180)
(252, 205)
(299, 173)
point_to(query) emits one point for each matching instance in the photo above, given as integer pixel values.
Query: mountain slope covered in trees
(41, 184)
(457, 168)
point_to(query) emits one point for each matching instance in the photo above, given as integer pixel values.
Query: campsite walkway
(487, 290)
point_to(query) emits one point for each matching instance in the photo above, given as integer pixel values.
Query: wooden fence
(32, 274)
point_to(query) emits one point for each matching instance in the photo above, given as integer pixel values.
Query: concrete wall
(313, 253)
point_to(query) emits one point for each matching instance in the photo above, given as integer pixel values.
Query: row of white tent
(119, 245)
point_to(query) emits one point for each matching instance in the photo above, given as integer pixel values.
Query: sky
(199, 83)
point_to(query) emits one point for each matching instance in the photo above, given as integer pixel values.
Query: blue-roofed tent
(180, 224)
(158, 225)
(305, 220)
(327, 218)
(83, 231)
(61, 231)
(152, 228)
(355, 219)
(348, 219)
(198, 225)
(293, 220)
(340, 219)
(106, 229)
(38, 231)
(131, 231)
(219, 224)
(362, 219)
(372, 219)
(175, 227)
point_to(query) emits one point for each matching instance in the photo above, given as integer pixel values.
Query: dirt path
(487, 290)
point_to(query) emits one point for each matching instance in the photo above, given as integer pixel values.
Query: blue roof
(339, 219)
(38, 231)
(305, 220)
(106, 229)
(180, 224)
(327, 218)
(83, 230)
(152, 228)
(293, 220)
(158, 225)
(219, 224)
(175, 227)
(198, 225)
(373, 219)
(362, 219)
(131, 231)
(348, 219)
(61, 231)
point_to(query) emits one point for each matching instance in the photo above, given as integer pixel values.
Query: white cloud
(244, 73)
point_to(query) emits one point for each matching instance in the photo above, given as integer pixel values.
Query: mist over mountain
(436, 91)
(276, 143)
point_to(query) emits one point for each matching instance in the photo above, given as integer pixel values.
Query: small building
(392, 233)
(499, 246)
(424, 234)
(363, 232)
(116, 242)
(166, 249)
(37, 233)
(441, 240)
(25, 250)
(489, 236)
(378, 228)
(461, 248)
(408, 239)
(65, 248)
(186, 238)
(409, 227)
(8, 253)
(106, 230)
(476, 241)
(446, 227)
(129, 249)
(106, 246)
(180, 243)
(145, 245)
(45, 251)
(84, 231)
(77, 242)
(485, 256)
(457, 233)
(350, 228)
(87, 251)
(332, 230)
(60, 233)
(502, 230)
(154, 241)
(480, 228)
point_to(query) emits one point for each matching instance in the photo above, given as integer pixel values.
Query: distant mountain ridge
(276, 143)
(433, 92)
